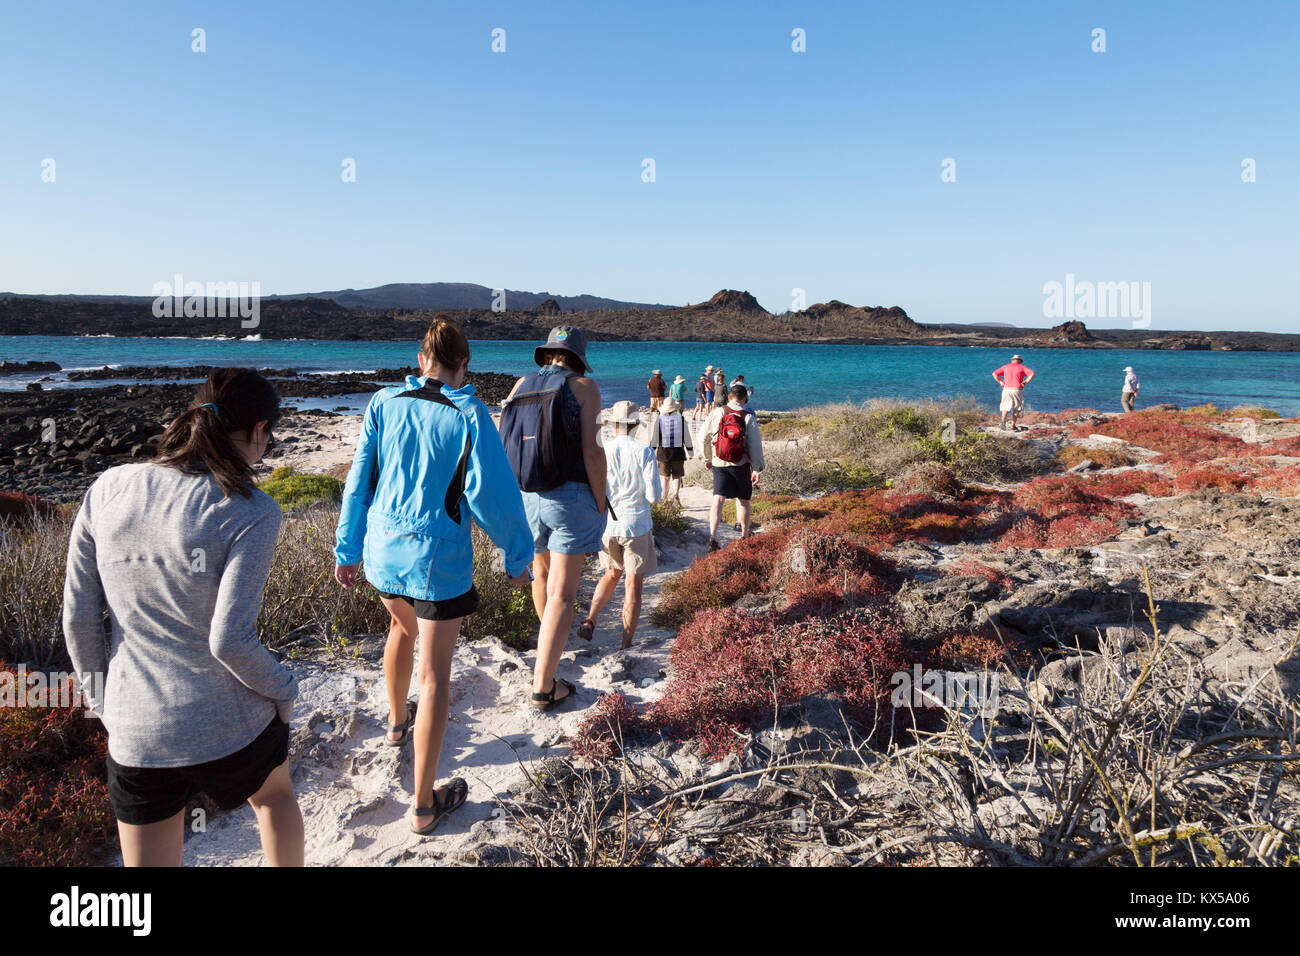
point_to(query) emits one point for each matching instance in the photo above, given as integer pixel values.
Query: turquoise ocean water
(784, 376)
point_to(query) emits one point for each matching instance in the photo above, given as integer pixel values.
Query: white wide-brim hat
(621, 413)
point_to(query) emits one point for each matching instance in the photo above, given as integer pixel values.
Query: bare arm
(587, 393)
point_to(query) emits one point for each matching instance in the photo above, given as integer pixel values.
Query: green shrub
(667, 516)
(504, 612)
(292, 489)
(789, 426)
(1253, 411)
(698, 479)
(303, 603)
(873, 443)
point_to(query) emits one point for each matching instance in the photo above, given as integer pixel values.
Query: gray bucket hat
(568, 339)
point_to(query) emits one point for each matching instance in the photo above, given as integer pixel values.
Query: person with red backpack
(732, 448)
(549, 426)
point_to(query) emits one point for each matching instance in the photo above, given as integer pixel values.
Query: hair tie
(215, 410)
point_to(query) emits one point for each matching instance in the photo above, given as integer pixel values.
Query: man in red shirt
(1013, 377)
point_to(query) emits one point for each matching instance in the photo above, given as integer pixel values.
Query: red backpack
(729, 444)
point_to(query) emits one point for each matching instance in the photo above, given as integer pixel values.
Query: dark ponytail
(231, 400)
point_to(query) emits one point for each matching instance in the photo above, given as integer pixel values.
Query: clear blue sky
(775, 170)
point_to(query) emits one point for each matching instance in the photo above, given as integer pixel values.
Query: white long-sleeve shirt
(632, 486)
(1130, 382)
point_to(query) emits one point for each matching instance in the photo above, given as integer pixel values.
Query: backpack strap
(431, 391)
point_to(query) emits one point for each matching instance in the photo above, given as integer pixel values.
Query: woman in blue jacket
(428, 460)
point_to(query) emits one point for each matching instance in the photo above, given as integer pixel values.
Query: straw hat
(671, 405)
(657, 372)
(1016, 358)
(621, 413)
(679, 380)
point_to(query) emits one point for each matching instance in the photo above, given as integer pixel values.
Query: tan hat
(671, 405)
(1016, 358)
(708, 368)
(657, 372)
(621, 413)
(678, 380)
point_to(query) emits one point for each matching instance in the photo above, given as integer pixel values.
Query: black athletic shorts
(445, 610)
(142, 795)
(733, 481)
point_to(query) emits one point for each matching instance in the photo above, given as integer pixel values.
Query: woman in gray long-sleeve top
(177, 551)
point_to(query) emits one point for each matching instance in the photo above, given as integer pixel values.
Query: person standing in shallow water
(428, 462)
(568, 520)
(177, 552)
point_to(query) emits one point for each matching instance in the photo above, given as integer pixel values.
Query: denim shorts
(565, 519)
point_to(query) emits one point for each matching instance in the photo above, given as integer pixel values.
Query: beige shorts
(631, 555)
(1013, 400)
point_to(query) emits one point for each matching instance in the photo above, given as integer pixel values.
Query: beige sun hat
(621, 413)
(679, 380)
(671, 405)
(657, 371)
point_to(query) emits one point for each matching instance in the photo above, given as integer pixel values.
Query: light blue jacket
(428, 459)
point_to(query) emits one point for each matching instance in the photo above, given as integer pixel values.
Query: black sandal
(549, 696)
(586, 630)
(456, 797)
(403, 729)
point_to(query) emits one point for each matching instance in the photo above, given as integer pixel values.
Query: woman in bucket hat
(567, 520)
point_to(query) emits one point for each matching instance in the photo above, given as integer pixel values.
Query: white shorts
(1013, 401)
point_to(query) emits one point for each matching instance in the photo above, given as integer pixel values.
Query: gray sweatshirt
(181, 569)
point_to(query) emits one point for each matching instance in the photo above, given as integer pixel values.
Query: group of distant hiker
(711, 385)
(176, 552)
(1015, 375)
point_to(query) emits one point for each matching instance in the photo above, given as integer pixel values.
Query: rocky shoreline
(55, 441)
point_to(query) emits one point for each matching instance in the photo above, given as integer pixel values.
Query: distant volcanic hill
(731, 301)
(1073, 331)
(729, 315)
(847, 321)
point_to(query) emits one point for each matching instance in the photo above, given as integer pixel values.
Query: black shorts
(445, 610)
(733, 481)
(142, 795)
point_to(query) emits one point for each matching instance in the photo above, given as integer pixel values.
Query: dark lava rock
(24, 368)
